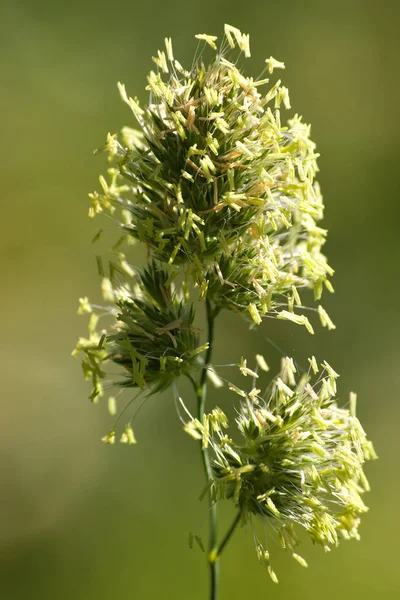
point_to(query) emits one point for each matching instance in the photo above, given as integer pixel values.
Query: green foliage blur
(80, 520)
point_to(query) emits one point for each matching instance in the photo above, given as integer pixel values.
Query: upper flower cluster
(218, 186)
(223, 194)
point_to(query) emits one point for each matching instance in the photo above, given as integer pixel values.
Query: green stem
(229, 533)
(201, 392)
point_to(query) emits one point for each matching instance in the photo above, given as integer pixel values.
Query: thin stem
(229, 533)
(201, 392)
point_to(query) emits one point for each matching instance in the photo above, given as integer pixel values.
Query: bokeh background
(80, 520)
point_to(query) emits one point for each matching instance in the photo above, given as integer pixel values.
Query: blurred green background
(86, 521)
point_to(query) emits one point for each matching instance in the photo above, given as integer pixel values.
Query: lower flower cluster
(299, 460)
